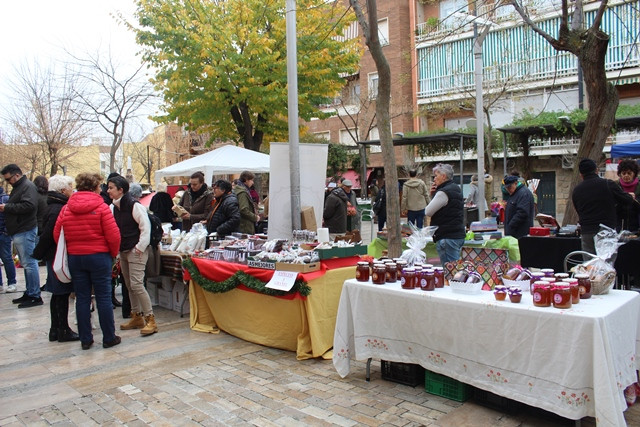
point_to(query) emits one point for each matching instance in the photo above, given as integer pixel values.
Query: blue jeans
(7, 259)
(416, 217)
(449, 249)
(93, 273)
(24, 243)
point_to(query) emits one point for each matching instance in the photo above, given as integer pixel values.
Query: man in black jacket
(224, 218)
(595, 201)
(20, 213)
(520, 209)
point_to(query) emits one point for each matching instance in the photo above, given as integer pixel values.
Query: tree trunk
(600, 120)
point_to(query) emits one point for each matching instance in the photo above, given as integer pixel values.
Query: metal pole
(504, 153)
(292, 82)
(461, 162)
(477, 56)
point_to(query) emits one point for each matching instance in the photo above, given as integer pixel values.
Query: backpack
(156, 230)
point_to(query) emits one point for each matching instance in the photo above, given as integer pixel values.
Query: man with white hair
(446, 210)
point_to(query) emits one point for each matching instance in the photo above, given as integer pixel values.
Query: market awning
(354, 177)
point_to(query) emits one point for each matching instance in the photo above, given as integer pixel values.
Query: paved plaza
(179, 377)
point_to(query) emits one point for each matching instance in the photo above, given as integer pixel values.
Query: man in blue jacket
(20, 214)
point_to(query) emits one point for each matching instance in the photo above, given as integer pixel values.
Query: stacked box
(180, 293)
(165, 293)
(152, 289)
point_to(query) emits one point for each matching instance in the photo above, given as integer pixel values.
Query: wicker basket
(600, 284)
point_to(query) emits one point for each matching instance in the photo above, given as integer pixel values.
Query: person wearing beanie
(520, 209)
(595, 200)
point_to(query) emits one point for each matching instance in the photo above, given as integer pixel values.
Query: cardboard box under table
(292, 322)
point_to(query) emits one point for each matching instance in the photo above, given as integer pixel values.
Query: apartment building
(430, 50)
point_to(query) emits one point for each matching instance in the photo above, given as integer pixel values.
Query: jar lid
(537, 274)
(363, 263)
(582, 276)
(570, 280)
(541, 284)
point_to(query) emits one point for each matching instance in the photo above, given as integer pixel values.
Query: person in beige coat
(415, 197)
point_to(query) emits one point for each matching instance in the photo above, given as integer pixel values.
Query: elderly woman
(93, 239)
(60, 189)
(446, 210)
(627, 215)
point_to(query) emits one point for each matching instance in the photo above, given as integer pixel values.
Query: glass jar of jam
(560, 276)
(535, 276)
(575, 289)
(392, 272)
(439, 276)
(418, 277)
(548, 272)
(428, 280)
(362, 271)
(407, 279)
(401, 264)
(379, 274)
(584, 283)
(561, 294)
(541, 294)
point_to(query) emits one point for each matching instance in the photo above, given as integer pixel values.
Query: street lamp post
(477, 57)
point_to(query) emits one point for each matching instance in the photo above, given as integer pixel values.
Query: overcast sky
(40, 31)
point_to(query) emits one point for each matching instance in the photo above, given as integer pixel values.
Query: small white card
(282, 280)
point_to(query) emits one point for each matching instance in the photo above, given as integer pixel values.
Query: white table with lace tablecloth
(575, 362)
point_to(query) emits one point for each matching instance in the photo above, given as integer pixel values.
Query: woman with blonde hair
(93, 240)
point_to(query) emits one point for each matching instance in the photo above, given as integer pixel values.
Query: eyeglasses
(10, 178)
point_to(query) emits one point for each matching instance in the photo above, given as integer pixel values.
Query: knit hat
(510, 179)
(587, 166)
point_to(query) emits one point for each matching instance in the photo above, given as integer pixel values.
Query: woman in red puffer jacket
(93, 240)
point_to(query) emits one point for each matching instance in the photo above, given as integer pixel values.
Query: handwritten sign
(282, 280)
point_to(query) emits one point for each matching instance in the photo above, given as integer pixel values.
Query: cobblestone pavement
(178, 377)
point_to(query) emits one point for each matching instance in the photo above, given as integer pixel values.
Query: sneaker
(31, 302)
(11, 289)
(22, 299)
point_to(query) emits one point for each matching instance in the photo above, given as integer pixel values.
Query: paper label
(282, 280)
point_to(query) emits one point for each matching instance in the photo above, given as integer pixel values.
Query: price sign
(282, 280)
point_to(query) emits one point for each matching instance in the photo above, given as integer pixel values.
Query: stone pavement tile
(24, 374)
(37, 397)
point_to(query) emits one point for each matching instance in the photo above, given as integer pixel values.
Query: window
(373, 135)
(383, 31)
(449, 7)
(347, 136)
(373, 85)
(326, 135)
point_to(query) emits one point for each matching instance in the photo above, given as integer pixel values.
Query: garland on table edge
(240, 277)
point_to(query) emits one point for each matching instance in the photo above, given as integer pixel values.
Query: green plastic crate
(444, 386)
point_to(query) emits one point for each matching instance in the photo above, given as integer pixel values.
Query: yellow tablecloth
(305, 326)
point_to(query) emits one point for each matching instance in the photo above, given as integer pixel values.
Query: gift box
(539, 231)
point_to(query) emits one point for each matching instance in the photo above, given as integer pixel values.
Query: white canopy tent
(226, 160)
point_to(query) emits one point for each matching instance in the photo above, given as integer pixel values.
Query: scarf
(630, 187)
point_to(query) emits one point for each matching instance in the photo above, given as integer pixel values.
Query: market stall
(304, 324)
(378, 245)
(575, 362)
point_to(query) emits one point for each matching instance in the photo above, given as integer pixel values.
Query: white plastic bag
(61, 260)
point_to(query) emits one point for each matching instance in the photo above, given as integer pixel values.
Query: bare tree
(590, 47)
(114, 97)
(369, 25)
(44, 115)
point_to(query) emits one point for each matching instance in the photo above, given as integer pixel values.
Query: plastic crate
(403, 373)
(444, 386)
(494, 401)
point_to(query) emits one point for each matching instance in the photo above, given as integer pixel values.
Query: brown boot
(136, 322)
(150, 326)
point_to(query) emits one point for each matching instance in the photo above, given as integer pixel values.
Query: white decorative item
(323, 235)
(466, 288)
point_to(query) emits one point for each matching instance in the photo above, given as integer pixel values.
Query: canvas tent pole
(292, 82)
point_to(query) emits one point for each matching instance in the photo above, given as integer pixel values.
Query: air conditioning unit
(568, 161)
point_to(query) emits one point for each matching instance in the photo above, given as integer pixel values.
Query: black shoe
(66, 335)
(31, 302)
(87, 345)
(53, 335)
(117, 340)
(22, 299)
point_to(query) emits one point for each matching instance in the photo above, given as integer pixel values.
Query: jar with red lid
(408, 277)
(392, 272)
(541, 294)
(575, 289)
(439, 275)
(428, 281)
(561, 295)
(584, 283)
(535, 276)
(362, 271)
(379, 274)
